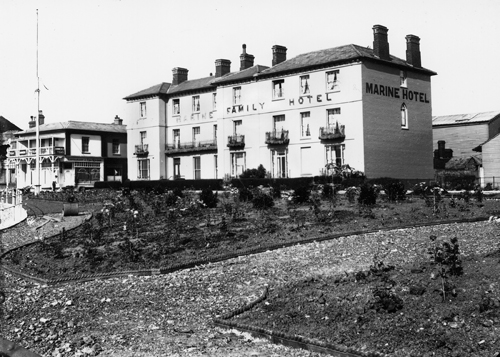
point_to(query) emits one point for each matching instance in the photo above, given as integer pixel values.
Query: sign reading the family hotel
(399, 93)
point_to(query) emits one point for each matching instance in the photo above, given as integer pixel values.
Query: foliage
(478, 193)
(209, 198)
(328, 191)
(446, 257)
(276, 189)
(262, 200)
(368, 195)
(351, 193)
(301, 194)
(395, 191)
(245, 194)
(259, 172)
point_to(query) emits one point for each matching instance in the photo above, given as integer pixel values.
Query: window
(237, 163)
(278, 122)
(143, 137)
(176, 133)
(279, 163)
(177, 168)
(196, 134)
(176, 107)
(335, 154)
(116, 146)
(236, 126)
(332, 117)
(197, 167)
(215, 133)
(304, 84)
(236, 95)
(403, 78)
(332, 80)
(404, 116)
(143, 169)
(143, 109)
(214, 101)
(278, 90)
(85, 144)
(216, 166)
(305, 121)
(196, 103)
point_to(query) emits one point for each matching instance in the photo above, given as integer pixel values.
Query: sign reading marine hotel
(399, 93)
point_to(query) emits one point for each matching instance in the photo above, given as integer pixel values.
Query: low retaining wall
(11, 209)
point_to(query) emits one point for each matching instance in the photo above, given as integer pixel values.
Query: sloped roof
(332, 55)
(78, 125)
(161, 88)
(6, 125)
(464, 119)
(463, 163)
(240, 75)
(193, 84)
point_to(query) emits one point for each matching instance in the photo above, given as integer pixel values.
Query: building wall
(461, 138)
(153, 123)
(306, 155)
(491, 161)
(389, 149)
(94, 145)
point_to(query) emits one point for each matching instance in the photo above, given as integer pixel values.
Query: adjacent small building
(72, 153)
(344, 105)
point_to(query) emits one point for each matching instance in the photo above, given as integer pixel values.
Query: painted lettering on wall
(398, 93)
(244, 108)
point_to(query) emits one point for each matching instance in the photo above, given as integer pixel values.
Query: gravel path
(171, 314)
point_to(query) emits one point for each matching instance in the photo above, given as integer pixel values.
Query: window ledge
(280, 98)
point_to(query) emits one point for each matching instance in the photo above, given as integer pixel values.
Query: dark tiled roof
(191, 85)
(161, 88)
(6, 125)
(78, 125)
(463, 163)
(464, 119)
(241, 75)
(331, 56)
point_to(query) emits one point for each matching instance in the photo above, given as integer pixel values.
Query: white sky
(93, 53)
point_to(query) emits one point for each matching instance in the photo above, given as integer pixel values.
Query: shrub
(328, 191)
(351, 193)
(259, 172)
(262, 201)
(178, 192)
(367, 195)
(276, 190)
(245, 194)
(301, 194)
(209, 198)
(395, 191)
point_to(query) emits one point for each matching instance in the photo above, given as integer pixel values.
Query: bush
(301, 194)
(245, 194)
(259, 172)
(178, 192)
(209, 198)
(395, 191)
(328, 191)
(276, 189)
(464, 182)
(367, 195)
(262, 200)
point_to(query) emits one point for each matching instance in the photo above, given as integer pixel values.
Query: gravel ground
(171, 314)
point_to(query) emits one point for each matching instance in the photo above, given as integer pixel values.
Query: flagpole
(37, 143)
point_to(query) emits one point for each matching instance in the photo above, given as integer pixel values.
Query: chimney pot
(413, 51)
(118, 120)
(222, 67)
(246, 60)
(41, 118)
(279, 54)
(179, 75)
(380, 42)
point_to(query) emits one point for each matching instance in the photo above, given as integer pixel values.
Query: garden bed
(147, 230)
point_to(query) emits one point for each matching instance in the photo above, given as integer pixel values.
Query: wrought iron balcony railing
(277, 137)
(236, 141)
(332, 132)
(141, 149)
(191, 146)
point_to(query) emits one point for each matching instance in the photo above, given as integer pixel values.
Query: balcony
(236, 141)
(277, 137)
(141, 149)
(336, 132)
(191, 146)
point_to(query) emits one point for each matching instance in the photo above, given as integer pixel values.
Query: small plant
(301, 194)
(276, 190)
(209, 198)
(479, 194)
(446, 257)
(259, 172)
(262, 201)
(245, 194)
(395, 191)
(351, 193)
(367, 195)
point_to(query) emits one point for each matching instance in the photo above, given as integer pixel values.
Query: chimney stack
(246, 60)
(380, 43)
(413, 51)
(279, 54)
(41, 118)
(222, 67)
(179, 75)
(441, 146)
(118, 120)
(32, 122)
